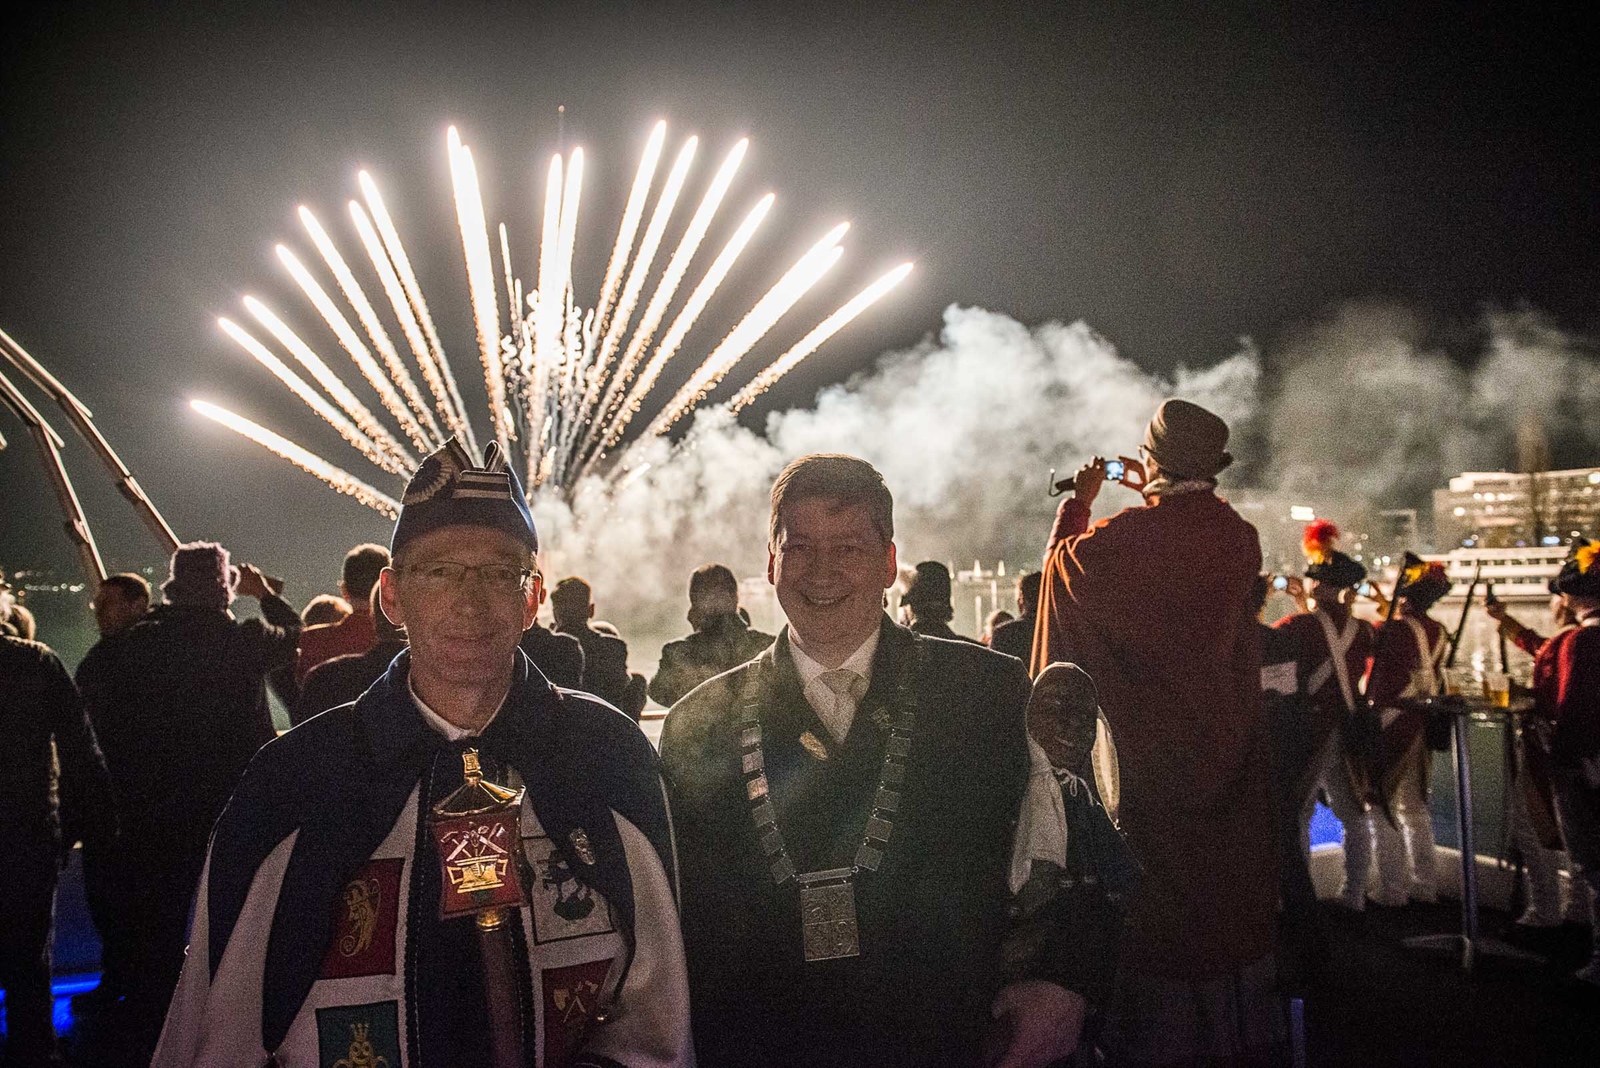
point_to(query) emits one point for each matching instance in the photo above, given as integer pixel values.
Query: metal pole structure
(49, 445)
(82, 421)
(1469, 942)
(1469, 851)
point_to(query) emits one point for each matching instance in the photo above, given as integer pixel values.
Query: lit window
(1460, 511)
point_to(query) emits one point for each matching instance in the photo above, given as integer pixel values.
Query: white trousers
(1541, 866)
(1352, 815)
(1407, 866)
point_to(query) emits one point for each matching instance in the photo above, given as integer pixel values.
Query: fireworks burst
(563, 383)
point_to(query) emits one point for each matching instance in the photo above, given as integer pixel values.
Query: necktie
(847, 688)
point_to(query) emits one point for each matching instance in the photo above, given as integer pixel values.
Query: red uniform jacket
(1533, 775)
(1396, 658)
(1320, 682)
(1398, 670)
(1568, 693)
(1155, 603)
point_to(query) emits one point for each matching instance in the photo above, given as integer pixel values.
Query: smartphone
(1115, 469)
(1280, 582)
(1365, 589)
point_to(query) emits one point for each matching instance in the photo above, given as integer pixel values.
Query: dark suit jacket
(1015, 638)
(179, 705)
(342, 679)
(605, 665)
(932, 916)
(558, 656)
(721, 644)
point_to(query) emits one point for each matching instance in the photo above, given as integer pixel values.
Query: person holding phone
(1157, 604)
(1333, 650)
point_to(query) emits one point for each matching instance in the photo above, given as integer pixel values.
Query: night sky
(1176, 180)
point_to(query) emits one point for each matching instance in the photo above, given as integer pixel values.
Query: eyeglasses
(447, 575)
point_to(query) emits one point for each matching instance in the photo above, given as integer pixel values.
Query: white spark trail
(480, 282)
(546, 312)
(680, 327)
(641, 269)
(566, 381)
(305, 459)
(819, 334)
(302, 389)
(359, 413)
(510, 281)
(632, 215)
(351, 342)
(566, 241)
(621, 252)
(679, 264)
(370, 322)
(432, 372)
(767, 311)
(396, 254)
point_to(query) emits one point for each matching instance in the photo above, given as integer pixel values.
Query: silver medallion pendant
(828, 915)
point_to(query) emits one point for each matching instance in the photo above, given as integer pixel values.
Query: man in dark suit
(179, 705)
(605, 657)
(845, 804)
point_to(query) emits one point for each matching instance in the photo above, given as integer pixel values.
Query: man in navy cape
(317, 936)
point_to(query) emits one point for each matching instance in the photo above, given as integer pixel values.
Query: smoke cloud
(1356, 411)
(1363, 411)
(964, 427)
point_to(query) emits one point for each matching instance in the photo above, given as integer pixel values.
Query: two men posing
(844, 810)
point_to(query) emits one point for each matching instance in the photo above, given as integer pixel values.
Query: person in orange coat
(1155, 603)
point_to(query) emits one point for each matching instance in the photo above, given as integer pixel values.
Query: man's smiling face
(830, 566)
(465, 633)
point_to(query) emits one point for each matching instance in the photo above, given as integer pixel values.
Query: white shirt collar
(859, 661)
(440, 725)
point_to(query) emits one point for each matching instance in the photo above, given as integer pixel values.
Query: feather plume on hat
(1318, 540)
(1424, 582)
(1326, 564)
(1580, 575)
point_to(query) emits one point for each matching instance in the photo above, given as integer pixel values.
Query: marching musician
(845, 805)
(1333, 650)
(1408, 658)
(317, 936)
